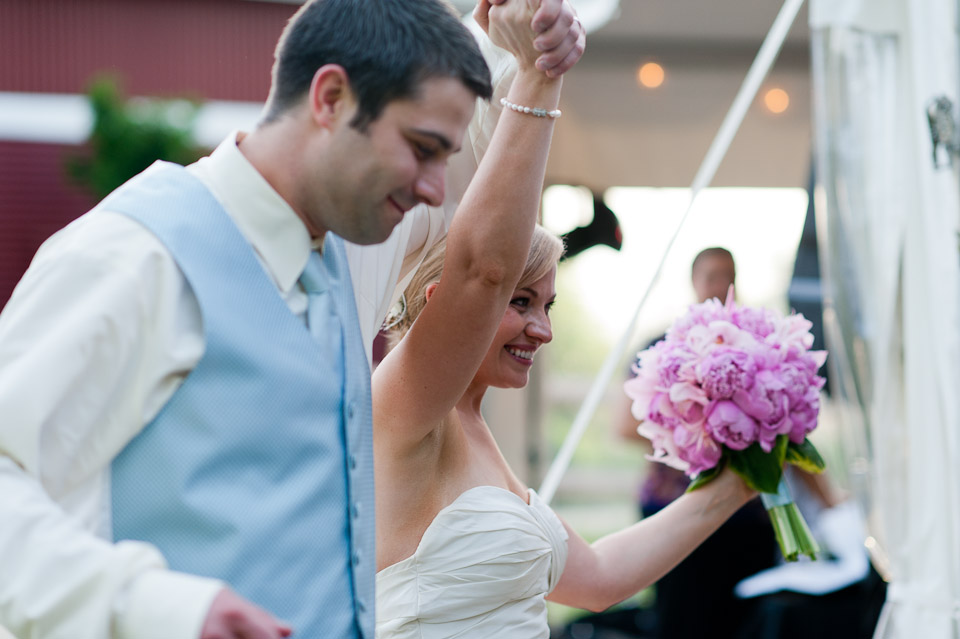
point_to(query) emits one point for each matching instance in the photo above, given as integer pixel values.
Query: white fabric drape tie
(901, 593)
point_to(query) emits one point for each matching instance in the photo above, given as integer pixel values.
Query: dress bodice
(482, 569)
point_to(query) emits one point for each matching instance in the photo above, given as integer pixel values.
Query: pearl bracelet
(537, 111)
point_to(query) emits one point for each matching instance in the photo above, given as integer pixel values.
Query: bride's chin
(512, 383)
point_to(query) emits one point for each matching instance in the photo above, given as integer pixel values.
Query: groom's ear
(330, 96)
(428, 292)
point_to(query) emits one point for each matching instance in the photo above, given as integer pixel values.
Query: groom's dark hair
(387, 48)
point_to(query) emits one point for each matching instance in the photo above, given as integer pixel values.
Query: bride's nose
(539, 328)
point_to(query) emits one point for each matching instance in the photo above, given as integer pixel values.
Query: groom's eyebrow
(441, 139)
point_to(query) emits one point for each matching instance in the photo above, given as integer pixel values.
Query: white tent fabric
(593, 14)
(888, 223)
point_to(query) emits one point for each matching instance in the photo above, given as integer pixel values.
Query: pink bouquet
(735, 386)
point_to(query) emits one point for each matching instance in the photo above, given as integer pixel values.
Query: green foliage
(805, 457)
(128, 136)
(707, 476)
(762, 471)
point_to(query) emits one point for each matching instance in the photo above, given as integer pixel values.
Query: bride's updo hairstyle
(545, 251)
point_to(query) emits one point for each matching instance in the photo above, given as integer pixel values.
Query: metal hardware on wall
(943, 130)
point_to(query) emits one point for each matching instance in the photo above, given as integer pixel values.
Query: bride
(464, 549)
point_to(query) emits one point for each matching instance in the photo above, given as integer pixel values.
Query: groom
(178, 456)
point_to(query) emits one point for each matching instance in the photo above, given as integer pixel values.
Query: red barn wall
(206, 49)
(217, 49)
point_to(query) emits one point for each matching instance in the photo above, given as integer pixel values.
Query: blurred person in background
(742, 546)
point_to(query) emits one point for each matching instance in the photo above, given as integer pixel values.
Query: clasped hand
(545, 34)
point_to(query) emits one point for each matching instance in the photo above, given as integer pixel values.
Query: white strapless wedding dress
(482, 571)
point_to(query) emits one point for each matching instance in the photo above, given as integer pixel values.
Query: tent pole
(761, 66)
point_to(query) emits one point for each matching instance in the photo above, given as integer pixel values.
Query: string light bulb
(650, 75)
(776, 100)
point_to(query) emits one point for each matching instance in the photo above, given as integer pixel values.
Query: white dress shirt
(100, 332)
(97, 336)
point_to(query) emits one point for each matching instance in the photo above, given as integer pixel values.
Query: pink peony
(697, 447)
(798, 376)
(731, 426)
(642, 391)
(702, 339)
(688, 401)
(726, 376)
(724, 371)
(698, 315)
(768, 404)
(674, 364)
(665, 450)
(759, 322)
(661, 411)
(803, 416)
(793, 332)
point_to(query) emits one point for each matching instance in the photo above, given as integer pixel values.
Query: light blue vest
(259, 470)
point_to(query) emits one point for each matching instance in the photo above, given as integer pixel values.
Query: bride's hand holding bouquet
(735, 386)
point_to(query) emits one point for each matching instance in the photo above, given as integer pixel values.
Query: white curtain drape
(888, 224)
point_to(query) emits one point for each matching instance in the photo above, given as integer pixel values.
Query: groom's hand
(511, 29)
(561, 39)
(233, 617)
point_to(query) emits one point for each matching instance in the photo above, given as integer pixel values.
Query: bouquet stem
(793, 534)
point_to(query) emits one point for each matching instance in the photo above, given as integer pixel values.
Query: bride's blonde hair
(545, 251)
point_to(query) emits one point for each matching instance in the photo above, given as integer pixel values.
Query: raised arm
(617, 566)
(420, 381)
(561, 42)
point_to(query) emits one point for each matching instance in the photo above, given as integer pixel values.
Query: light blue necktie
(322, 318)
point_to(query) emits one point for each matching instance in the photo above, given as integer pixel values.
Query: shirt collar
(264, 218)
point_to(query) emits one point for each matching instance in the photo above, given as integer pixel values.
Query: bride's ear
(428, 292)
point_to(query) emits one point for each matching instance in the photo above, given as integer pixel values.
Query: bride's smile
(525, 327)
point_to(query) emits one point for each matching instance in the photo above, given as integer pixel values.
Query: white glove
(840, 529)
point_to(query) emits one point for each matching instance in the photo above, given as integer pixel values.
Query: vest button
(362, 607)
(356, 510)
(350, 411)
(352, 460)
(356, 557)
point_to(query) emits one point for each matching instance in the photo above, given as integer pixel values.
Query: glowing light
(650, 75)
(776, 100)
